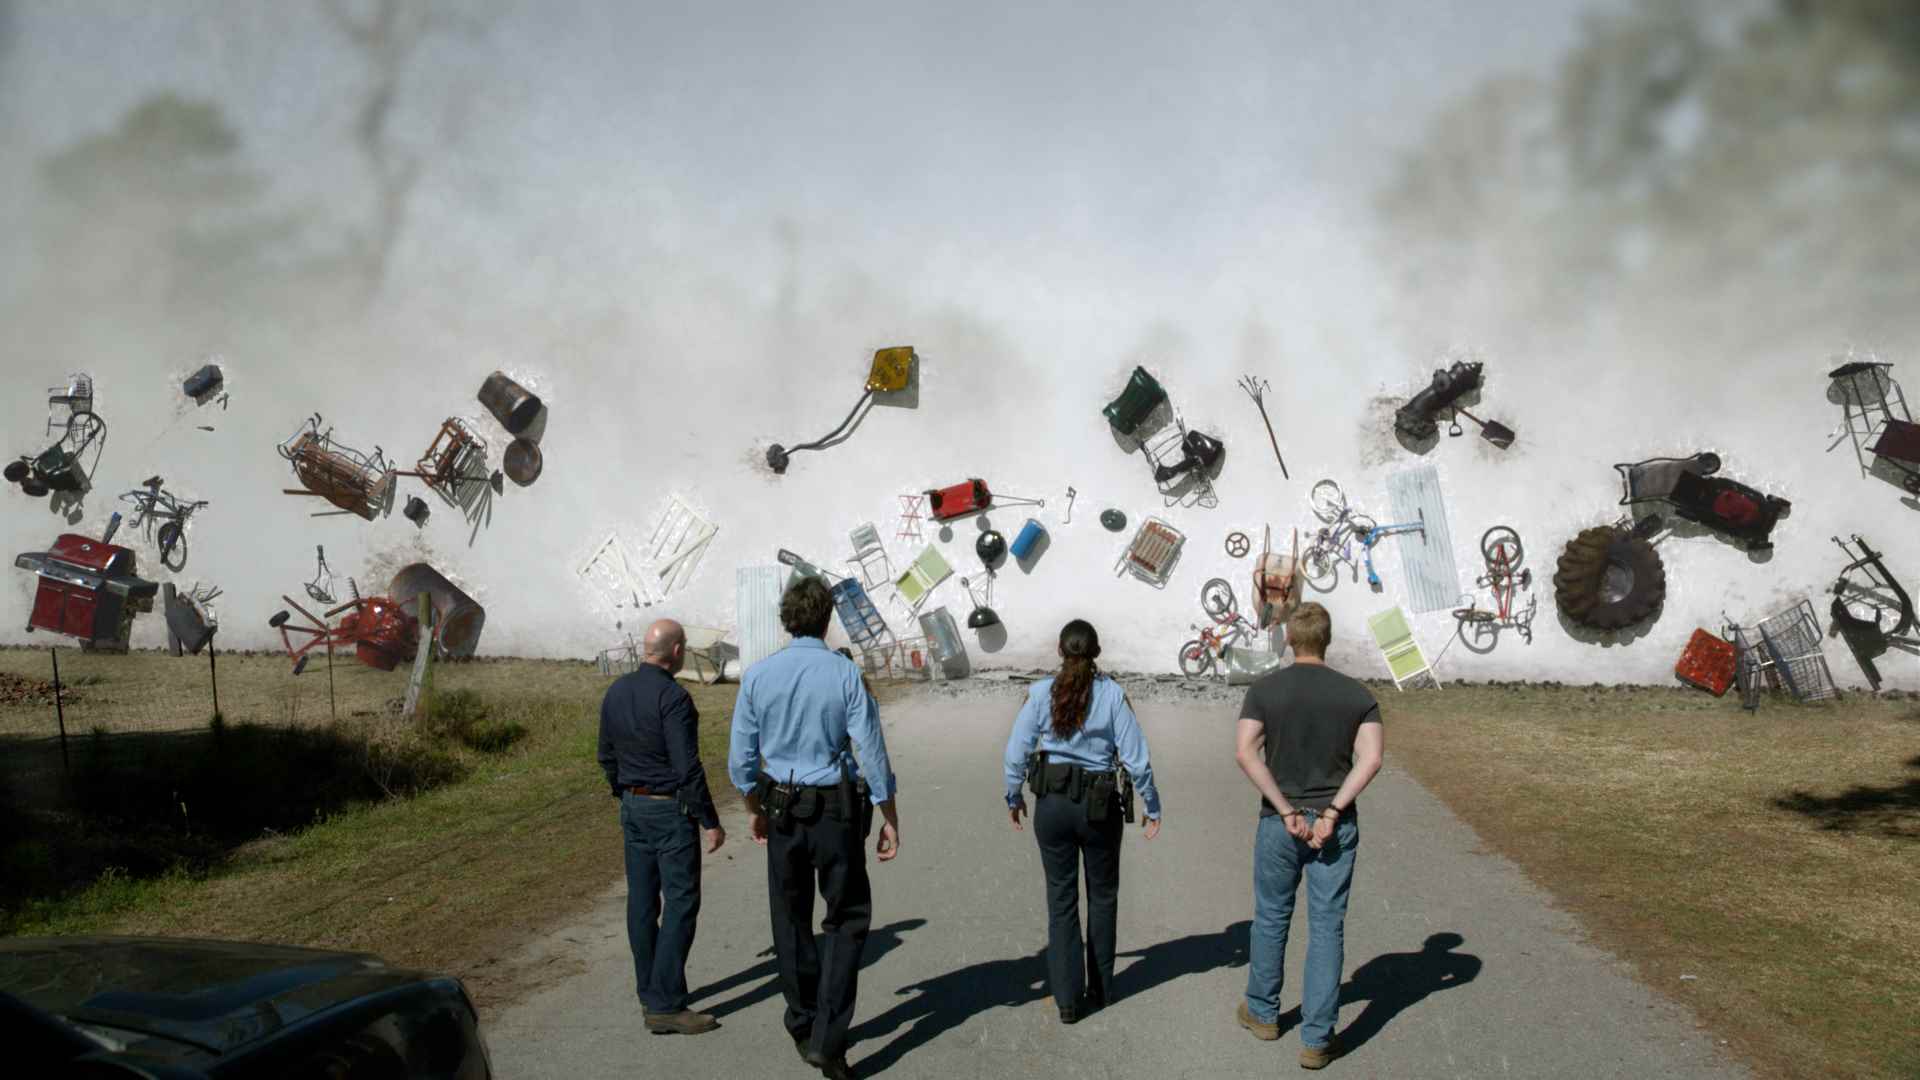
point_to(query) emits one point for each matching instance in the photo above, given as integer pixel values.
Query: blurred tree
(1742, 175)
(159, 211)
(388, 35)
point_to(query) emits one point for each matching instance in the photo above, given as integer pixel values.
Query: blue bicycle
(1380, 532)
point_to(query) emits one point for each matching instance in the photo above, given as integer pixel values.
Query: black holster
(777, 801)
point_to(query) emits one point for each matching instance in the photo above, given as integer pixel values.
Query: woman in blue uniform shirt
(1080, 721)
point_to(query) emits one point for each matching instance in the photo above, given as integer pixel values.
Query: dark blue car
(168, 1008)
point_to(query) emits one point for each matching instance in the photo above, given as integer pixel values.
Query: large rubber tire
(1609, 580)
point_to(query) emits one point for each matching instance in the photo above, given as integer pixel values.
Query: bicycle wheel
(1328, 501)
(1500, 546)
(1216, 598)
(1195, 660)
(1359, 525)
(1473, 615)
(1316, 565)
(172, 543)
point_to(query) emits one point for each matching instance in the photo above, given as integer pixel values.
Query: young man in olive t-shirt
(1309, 740)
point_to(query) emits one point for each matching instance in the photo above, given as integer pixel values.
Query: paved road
(1456, 965)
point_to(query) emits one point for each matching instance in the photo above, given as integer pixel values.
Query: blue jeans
(663, 897)
(1279, 860)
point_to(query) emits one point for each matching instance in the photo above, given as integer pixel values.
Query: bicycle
(1332, 543)
(1381, 532)
(154, 504)
(1200, 656)
(1500, 547)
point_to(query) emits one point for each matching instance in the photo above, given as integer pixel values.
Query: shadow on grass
(1890, 810)
(141, 805)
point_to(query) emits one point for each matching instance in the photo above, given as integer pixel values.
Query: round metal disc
(1114, 520)
(522, 461)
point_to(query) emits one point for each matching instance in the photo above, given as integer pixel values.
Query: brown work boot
(684, 1022)
(1263, 1032)
(1311, 1058)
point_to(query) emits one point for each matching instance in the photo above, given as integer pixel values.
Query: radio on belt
(88, 589)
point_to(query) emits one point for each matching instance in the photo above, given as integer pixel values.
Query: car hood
(215, 995)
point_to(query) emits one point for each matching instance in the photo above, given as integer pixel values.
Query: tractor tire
(1609, 580)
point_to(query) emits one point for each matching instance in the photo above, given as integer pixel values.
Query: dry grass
(453, 879)
(1770, 855)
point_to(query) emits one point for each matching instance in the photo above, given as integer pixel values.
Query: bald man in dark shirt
(650, 750)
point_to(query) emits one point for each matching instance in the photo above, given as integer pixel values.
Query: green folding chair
(1394, 635)
(921, 576)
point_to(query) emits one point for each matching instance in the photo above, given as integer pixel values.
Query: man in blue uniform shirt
(808, 755)
(650, 750)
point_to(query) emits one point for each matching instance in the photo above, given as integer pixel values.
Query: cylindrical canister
(458, 616)
(513, 405)
(1030, 535)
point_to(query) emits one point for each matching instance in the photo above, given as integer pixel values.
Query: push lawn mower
(1689, 486)
(63, 466)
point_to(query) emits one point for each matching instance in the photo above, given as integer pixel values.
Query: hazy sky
(1024, 142)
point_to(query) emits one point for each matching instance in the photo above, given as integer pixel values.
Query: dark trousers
(1066, 839)
(819, 979)
(663, 898)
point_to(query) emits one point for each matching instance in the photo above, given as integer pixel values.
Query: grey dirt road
(1456, 966)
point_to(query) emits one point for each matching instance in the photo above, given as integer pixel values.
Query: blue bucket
(1030, 535)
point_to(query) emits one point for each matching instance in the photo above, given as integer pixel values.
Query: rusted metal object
(513, 405)
(355, 482)
(381, 632)
(455, 466)
(523, 461)
(457, 617)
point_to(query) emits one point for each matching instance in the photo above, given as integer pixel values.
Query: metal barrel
(523, 461)
(459, 616)
(513, 405)
(1030, 534)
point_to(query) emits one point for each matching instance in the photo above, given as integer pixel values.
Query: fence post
(418, 692)
(167, 594)
(60, 715)
(332, 708)
(213, 674)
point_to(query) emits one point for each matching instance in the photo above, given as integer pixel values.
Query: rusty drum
(513, 405)
(523, 461)
(458, 618)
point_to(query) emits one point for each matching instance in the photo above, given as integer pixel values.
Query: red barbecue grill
(87, 590)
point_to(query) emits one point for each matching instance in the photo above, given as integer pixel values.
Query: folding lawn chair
(1394, 635)
(870, 557)
(922, 576)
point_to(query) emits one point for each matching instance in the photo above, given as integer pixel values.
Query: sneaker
(684, 1022)
(1261, 1031)
(1312, 1057)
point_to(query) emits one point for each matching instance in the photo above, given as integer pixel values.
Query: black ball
(991, 547)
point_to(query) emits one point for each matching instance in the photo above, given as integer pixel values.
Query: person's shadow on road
(880, 942)
(1191, 955)
(1392, 982)
(944, 1002)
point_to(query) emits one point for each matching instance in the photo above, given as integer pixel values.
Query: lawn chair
(1405, 660)
(1151, 555)
(870, 557)
(922, 576)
